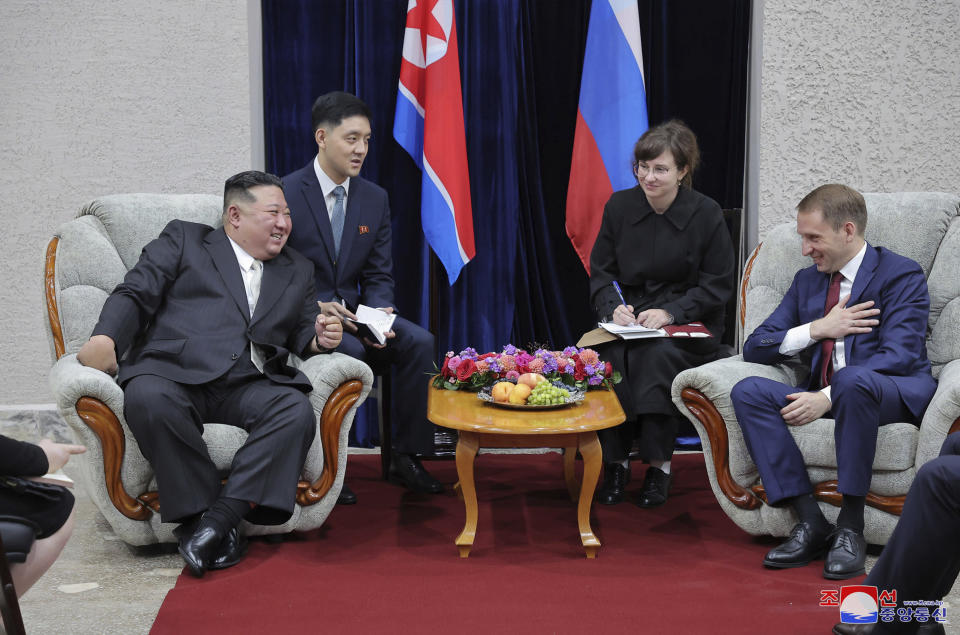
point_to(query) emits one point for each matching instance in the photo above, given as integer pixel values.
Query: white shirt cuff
(826, 391)
(796, 339)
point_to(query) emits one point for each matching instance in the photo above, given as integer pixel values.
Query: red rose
(445, 369)
(607, 369)
(578, 373)
(466, 368)
(486, 355)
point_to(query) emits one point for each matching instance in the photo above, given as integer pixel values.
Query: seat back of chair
(91, 254)
(924, 226)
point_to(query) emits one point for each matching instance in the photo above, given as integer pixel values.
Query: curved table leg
(466, 452)
(569, 472)
(590, 451)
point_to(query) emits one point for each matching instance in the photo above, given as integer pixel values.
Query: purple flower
(468, 353)
(509, 349)
(570, 351)
(493, 365)
(454, 362)
(569, 369)
(550, 364)
(595, 380)
(589, 369)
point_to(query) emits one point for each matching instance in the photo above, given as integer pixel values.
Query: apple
(531, 379)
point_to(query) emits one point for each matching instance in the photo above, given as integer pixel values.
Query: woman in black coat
(669, 250)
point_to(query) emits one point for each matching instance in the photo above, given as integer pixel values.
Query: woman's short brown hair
(675, 136)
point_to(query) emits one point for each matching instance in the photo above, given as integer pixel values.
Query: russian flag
(611, 117)
(429, 125)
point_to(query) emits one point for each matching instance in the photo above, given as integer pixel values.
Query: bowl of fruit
(531, 391)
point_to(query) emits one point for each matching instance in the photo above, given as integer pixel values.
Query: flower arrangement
(579, 367)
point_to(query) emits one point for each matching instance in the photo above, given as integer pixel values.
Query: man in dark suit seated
(342, 223)
(922, 558)
(203, 325)
(863, 311)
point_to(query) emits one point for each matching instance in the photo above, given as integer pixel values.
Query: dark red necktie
(826, 345)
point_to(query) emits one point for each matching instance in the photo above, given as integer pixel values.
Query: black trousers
(410, 357)
(167, 420)
(922, 558)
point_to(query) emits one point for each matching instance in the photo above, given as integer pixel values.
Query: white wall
(98, 98)
(861, 93)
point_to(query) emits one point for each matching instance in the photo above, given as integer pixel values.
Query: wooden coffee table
(571, 428)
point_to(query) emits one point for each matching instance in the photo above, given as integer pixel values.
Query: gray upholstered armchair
(85, 260)
(922, 226)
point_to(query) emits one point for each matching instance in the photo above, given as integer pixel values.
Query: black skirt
(648, 367)
(49, 513)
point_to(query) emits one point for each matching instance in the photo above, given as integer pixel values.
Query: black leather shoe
(346, 497)
(656, 488)
(847, 555)
(231, 551)
(407, 470)
(200, 548)
(615, 479)
(804, 546)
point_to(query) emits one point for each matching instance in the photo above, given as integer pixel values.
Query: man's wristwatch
(316, 342)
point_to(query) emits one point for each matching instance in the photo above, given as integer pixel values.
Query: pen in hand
(623, 300)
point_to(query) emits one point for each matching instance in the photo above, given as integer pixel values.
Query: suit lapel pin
(364, 229)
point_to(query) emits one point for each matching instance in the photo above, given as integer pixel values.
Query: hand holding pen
(623, 314)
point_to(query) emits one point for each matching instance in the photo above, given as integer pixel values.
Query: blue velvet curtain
(520, 66)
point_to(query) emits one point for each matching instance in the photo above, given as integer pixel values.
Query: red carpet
(388, 564)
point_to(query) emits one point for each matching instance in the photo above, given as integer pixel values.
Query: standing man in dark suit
(206, 319)
(342, 224)
(863, 310)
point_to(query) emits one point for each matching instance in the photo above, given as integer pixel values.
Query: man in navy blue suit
(862, 311)
(342, 223)
(203, 325)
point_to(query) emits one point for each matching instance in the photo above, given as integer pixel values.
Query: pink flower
(536, 365)
(589, 356)
(512, 374)
(482, 366)
(454, 362)
(507, 362)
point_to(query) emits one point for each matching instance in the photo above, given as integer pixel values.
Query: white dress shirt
(798, 338)
(327, 186)
(246, 261)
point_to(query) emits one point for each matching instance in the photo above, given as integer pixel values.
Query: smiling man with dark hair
(203, 325)
(342, 224)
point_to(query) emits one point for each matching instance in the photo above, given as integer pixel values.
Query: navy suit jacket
(363, 273)
(181, 312)
(896, 347)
